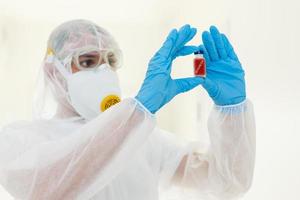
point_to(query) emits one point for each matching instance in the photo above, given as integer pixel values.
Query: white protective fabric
(121, 154)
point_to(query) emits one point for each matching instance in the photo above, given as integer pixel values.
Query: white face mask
(91, 92)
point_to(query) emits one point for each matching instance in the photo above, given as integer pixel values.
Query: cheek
(74, 68)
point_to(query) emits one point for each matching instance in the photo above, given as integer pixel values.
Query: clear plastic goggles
(91, 58)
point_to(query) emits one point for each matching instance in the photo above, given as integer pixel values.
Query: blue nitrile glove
(158, 87)
(224, 81)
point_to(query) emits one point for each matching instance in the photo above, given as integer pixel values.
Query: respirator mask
(95, 87)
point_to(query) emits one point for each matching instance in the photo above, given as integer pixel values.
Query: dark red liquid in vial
(199, 67)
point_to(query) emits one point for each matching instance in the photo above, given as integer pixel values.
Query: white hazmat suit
(121, 154)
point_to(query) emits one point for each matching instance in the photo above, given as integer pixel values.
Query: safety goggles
(91, 58)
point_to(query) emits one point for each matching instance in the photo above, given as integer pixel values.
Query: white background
(266, 36)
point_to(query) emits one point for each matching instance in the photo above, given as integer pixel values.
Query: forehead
(91, 50)
(90, 54)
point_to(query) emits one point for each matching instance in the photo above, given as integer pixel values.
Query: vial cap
(199, 52)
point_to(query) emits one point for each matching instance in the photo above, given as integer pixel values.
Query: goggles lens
(88, 60)
(91, 58)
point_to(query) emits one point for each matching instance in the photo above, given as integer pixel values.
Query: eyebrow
(88, 55)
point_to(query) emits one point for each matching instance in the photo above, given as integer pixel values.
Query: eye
(89, 60)
(88, 63)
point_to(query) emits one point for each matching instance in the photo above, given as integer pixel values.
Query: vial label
(199, 67)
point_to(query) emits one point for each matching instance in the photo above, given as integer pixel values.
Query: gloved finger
(193, 32)
(186, 50)
(218, 42)
(185, 34)
(211, 87)
(229, 48)
(210, 46)
(205, 54)
(168, 45)
(186, 84)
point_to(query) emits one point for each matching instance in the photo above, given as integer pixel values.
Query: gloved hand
(158, 87)
(224, 81)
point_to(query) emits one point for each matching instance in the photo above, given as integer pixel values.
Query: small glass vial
(199, 64)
